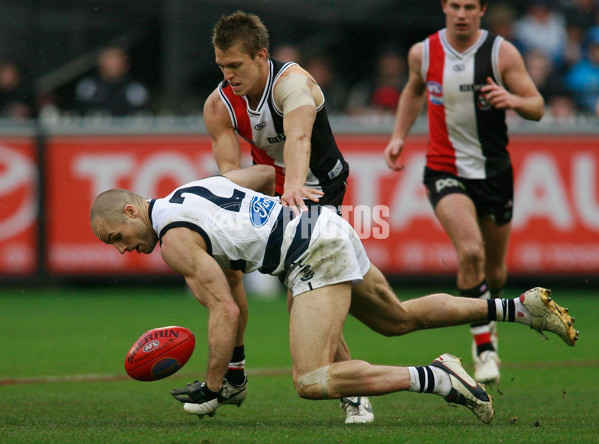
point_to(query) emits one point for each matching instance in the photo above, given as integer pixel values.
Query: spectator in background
(287, 52)
(380, 95)
(500, 19)
(542, 27)
(333, 87)
(583, 78)
(15, 100)
(543, 73)
(111, 90)
(550, 83)
(573, 45)
(562, 107)
(582, 13)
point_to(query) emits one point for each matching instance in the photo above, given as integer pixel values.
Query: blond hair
(240, 27)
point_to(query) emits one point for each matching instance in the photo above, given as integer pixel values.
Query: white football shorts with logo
(335, 255)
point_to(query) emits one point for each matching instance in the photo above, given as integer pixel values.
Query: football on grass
(159, 353)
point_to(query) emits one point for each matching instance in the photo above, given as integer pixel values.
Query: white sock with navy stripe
(429, 380)
(508, 310)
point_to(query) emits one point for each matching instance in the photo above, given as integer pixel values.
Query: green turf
(549, 392)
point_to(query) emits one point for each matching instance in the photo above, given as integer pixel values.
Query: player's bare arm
(257, 177)
(520, 92)
(295, 95)
(409, 108)
(185, 252)
(225, 145)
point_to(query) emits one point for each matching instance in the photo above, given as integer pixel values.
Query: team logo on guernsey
(435, 92)
(481, 102)
(260, 209)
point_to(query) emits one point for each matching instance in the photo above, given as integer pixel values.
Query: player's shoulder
(509, 55)
(215, 109)
(294, 70)
(415, 54)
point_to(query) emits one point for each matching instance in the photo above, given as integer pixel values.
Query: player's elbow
(534, 112)
(268, 179)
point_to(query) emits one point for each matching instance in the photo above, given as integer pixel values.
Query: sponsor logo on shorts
(448, 182)
(336, 170)
(306, 272)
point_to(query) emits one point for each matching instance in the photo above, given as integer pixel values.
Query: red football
(159, 353)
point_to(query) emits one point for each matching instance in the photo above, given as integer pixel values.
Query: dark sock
(480, 330)
(236, 371)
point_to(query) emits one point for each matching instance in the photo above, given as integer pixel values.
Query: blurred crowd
(559, 40)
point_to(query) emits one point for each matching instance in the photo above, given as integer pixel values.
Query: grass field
(62, 377)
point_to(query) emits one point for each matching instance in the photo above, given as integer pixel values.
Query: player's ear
(130, 211)
(262, 55)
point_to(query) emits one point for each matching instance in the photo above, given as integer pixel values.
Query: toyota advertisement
(19, 205)
(555, 227)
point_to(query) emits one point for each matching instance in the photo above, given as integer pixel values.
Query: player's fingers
(315, 191)
(302, 205)
(392, 163)
(313, 197)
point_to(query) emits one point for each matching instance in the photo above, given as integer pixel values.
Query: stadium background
(51, 167)
(70, 307)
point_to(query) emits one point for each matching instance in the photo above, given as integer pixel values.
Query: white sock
(511, 310)
(429, 380)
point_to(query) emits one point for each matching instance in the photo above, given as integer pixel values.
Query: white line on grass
(120, 377)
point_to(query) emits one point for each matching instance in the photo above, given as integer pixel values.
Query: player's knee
(471, 253)
(314, 384)
(496, 276)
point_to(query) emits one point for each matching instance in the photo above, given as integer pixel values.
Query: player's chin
(146, 249)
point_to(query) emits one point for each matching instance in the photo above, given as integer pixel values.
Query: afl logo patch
(435, 92)
(458, 67)
(260, 126)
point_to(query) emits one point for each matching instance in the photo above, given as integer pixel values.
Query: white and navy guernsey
(243, 229)
(468, 137)
(263, 129)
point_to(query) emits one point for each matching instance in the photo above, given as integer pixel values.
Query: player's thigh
(375, 304)
(315, 325)
(457, 214)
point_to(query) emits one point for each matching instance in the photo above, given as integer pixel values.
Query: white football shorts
(335, 255)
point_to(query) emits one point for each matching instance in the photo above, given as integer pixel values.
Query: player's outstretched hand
(196, 392)
(294, 197)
